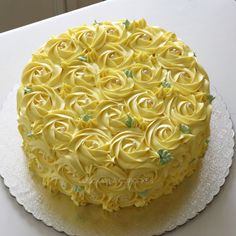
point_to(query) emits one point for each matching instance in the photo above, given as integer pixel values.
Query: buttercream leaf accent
(165, 156)
(143, 194)
(78, 188)
(185, 129)
(86, 117)
(128, 73)
(165, 84)
(83, 58)
(29, 134)
(96, 23)
(126, 23)
(211, 98)
(129, 122)
(27, 90)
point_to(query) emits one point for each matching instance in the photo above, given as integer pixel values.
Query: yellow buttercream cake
(114, 113)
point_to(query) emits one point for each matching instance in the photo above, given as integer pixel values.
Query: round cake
(114, 113)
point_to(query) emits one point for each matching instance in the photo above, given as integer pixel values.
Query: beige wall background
(16, 13)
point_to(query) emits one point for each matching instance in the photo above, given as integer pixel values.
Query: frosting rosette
(129, 150)
(147, 76)
(136, 24)
(82, 100)
(58, 128)
(89, 36)
(142, 180)
(115, 33)
(188, 110)
(91, 147)
(114, 113)
(174, 49)
(106, 178)
(115, 84)
(114, 56)
(104, 181)
(38, 101)
(162, 133)
(41, 71)
(77, 73)
(145, 106)
(111, 116)
(144, 39)
(175, 54)
(38, 160)
(70, 171)
(62, 48)
(187, 81)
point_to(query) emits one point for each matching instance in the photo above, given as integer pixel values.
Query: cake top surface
(121, 95)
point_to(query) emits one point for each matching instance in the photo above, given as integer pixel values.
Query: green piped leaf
(82, 58)
(86, 117)
(29, 134)
(143, 194)
(211, 98)
(78, 188)
(193, 160)
(185, 129)
(128, 73)
(165, 84)
(126, 23)
(27, 90)
(165, 156)
(96, 23)
(129, 122)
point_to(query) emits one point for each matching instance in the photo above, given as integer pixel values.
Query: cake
(114, 113)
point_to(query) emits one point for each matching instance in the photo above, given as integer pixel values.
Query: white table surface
(209, 27)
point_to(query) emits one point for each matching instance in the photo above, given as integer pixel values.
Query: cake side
(114, 113)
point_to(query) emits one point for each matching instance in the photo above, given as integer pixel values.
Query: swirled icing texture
(100, 104)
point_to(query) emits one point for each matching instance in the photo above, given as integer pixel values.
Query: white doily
(161, 215)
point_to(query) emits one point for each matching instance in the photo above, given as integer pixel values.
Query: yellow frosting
(114, 113)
